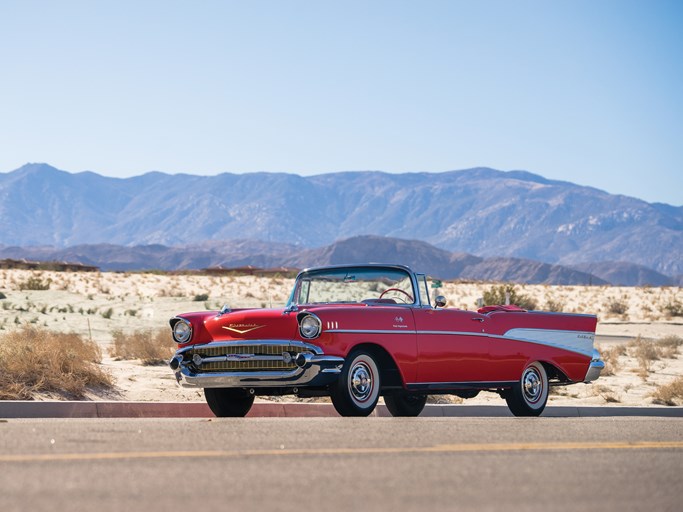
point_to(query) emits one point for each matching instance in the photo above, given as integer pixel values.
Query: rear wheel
(356, 391)
(228, 402)
(529, 396)
(405, 404)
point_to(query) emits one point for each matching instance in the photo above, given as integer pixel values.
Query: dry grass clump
(669, 346)
(648, 351)
(669, 394)
(41, 361)
(611, 358)
(149, 346)
(606, 393)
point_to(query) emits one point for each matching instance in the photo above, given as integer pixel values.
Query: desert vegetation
(36, 361)
(150, 347)
(669, 394)
(125, 316)
(508, 294)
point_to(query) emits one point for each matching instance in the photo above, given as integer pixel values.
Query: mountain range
(421, 256)
(481, 211)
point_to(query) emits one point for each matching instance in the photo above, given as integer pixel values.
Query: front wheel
(529, 396)
(356, 391)
(228, 402)
(405, 404)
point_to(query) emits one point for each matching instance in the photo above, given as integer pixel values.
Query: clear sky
(584, 91)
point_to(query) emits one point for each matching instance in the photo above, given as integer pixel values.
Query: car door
(452, 347)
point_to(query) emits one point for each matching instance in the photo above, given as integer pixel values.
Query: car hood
(245, 324)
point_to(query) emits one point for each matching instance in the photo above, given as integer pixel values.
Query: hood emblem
(242, 328)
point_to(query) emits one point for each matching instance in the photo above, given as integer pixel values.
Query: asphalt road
(272, 464)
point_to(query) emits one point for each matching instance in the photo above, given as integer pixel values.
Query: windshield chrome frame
(375, 266)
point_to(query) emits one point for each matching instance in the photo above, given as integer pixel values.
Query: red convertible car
(359, 332)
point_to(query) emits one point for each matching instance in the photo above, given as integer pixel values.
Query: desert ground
(97, 304)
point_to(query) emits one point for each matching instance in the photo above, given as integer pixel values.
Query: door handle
(477, 319)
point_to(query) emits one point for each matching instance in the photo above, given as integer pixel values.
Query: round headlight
(182, 331)
(310, 326)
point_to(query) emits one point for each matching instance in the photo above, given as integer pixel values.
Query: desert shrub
(35, 283)
(669, 394)
(2, 296)
(201, 297)
(151, 347)
(496, 295)
(673, 308)
(669, 346)
(40, 361)
(555, 306)
(616, 306)
(611, 358)
(108, 313)
(605, 393)
(648, 351)
(645, 352)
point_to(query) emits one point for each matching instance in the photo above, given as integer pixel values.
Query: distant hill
(626, 274)
(439, 263)
(363, 249)
(478, 211)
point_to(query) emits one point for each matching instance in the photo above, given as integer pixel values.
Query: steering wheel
(398, 290)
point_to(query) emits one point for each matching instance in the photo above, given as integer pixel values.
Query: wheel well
(389, 372)
(555, 375)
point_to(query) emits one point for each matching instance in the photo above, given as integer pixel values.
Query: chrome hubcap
(532, 385)
(360, 382)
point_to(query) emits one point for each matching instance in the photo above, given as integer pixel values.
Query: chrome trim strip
(457, 333)
(238, 357)
(247, 343)
(372, 331)
(553, 313)
(416, 386)
(584, 350)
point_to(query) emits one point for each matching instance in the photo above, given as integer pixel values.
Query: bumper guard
(313, 369)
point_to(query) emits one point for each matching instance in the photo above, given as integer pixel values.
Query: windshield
(352, 285)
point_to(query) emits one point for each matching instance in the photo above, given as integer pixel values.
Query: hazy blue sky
(585, 91)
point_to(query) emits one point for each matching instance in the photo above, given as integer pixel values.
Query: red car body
(403, 348)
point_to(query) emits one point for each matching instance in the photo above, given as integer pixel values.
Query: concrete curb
(27, 409)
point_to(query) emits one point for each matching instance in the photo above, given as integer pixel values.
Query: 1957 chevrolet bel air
(357, 332)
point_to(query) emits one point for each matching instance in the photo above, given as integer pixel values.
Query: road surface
(298, 464)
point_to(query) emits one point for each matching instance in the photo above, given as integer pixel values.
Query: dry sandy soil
(96, 304)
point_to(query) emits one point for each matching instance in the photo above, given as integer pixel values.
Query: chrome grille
(276, 363)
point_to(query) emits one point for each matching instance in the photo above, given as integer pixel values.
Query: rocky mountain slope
(478, 211)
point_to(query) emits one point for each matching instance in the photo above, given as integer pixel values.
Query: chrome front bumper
(311, 367)
(594, 369)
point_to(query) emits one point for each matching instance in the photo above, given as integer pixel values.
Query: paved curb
(28, 409)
